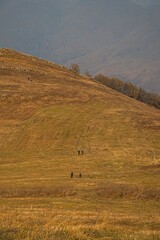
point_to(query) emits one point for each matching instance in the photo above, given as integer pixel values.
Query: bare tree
(75, 68)
(130, 90)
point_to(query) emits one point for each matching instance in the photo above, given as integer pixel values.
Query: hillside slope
(46, 106)
(47, 114)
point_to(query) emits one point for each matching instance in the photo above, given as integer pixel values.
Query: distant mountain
(113, 37)
(146, 2)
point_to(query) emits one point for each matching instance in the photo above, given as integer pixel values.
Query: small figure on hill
(80, 175)
(79, 152)
(71, 174)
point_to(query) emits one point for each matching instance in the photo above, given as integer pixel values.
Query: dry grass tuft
(153, 166)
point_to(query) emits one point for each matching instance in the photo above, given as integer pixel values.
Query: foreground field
(47, 115)
(114, 199)
(49, 218)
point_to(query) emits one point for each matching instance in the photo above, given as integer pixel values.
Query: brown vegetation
(75, 68)
(128, 191)
(130, 90)
(36, 191)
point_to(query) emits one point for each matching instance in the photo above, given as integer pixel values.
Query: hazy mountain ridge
(145, 2)
(119, 38)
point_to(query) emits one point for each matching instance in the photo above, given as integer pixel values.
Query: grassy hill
(47, 114)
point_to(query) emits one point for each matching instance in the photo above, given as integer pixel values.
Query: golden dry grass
(47, 114)
(56, 221)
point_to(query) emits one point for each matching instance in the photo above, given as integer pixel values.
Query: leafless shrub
(75, 68)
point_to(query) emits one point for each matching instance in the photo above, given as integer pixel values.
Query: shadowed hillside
(47, 114)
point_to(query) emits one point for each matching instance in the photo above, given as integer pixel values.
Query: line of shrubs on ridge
(130, 90)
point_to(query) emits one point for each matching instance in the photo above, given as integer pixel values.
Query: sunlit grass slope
(47, 114)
